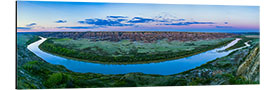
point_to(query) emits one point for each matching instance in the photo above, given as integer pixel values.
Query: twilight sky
(40, 16)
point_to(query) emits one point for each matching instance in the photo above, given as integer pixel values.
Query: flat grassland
(128, 51)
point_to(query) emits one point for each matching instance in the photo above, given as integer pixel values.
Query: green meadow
(126, 51)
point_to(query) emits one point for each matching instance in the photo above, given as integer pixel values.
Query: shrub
(54, 80)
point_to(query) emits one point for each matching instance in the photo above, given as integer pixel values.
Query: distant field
(125, 47)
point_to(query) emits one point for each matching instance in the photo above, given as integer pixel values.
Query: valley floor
(126, 51)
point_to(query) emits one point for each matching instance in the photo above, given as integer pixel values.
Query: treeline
(134, 56)
(146, 37)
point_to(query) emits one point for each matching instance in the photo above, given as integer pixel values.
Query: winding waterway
(161, 68)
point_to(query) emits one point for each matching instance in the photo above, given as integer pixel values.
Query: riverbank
(239, 67)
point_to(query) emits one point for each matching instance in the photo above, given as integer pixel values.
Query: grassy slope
(36, 73)
(24, 80)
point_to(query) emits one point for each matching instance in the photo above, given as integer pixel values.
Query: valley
(225, 70)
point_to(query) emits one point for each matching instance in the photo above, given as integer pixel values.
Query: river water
(161, 68)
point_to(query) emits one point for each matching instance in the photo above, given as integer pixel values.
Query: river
(161, 68)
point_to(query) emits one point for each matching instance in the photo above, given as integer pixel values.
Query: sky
(48, 16)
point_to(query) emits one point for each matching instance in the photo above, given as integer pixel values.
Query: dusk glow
(40, 16)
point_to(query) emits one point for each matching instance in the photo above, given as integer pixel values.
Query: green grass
(126, 51)
(125, 46)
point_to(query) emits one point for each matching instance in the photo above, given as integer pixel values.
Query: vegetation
(33, 72)
(147, 37)
(219, 71)
(126, 51)
(24, 80)
(22, 52)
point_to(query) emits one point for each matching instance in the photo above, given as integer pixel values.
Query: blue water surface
(161, 68)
